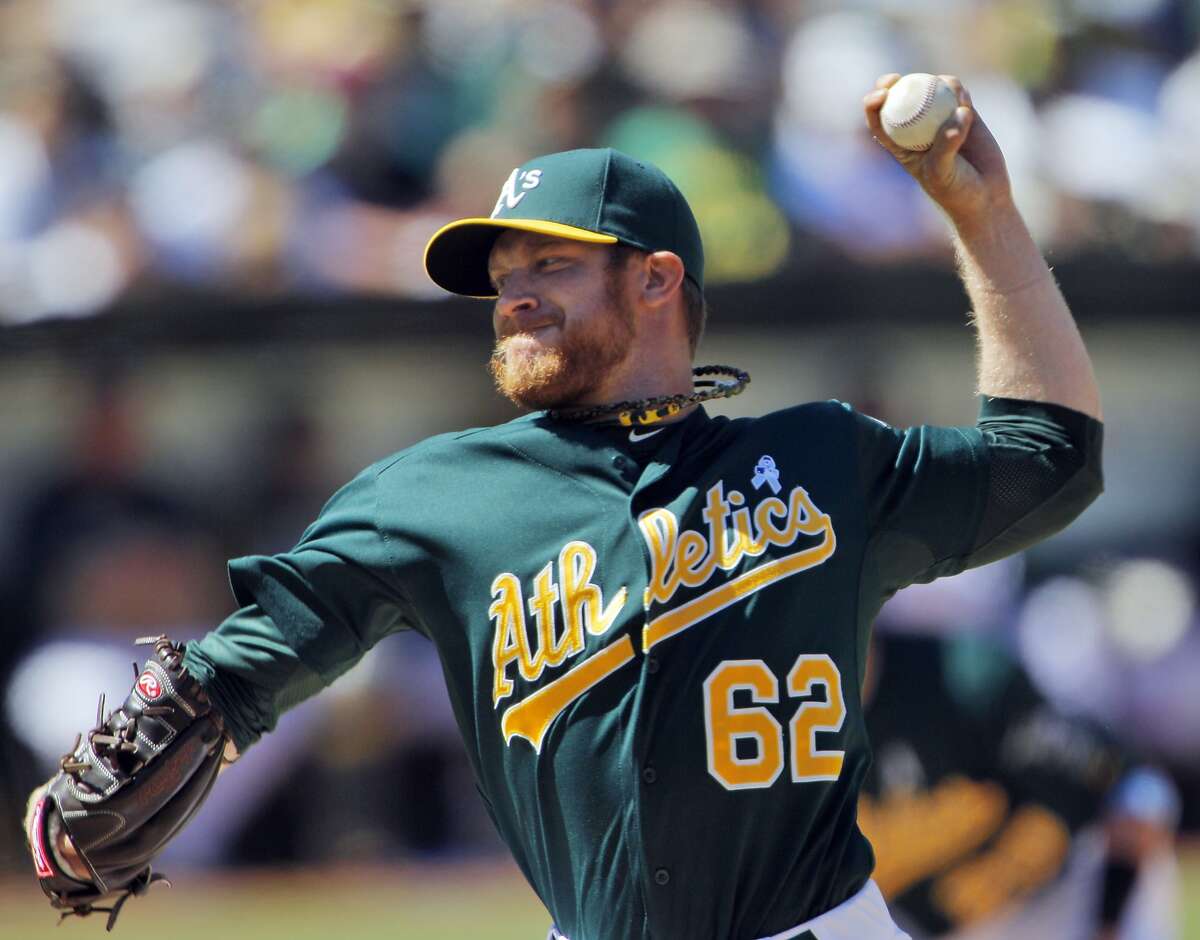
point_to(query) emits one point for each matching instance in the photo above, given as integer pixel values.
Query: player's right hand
(964, 170)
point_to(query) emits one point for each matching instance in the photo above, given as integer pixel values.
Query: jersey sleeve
(305, 617)
(942, 499)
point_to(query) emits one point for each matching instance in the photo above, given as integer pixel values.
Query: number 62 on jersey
(725, 724)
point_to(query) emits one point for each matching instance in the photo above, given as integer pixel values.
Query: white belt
(862, 917)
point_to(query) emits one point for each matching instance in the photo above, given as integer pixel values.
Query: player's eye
(551, 262)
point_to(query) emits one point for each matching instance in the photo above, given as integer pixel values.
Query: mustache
(527, 323)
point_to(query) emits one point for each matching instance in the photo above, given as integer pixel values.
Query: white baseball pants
(862, 917)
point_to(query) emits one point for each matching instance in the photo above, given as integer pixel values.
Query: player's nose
(516, 301)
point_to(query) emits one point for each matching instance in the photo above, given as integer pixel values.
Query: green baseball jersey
(653, 639)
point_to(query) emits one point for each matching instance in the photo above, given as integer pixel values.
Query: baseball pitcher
(652, 621)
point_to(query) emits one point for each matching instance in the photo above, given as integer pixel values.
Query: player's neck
(644, 380)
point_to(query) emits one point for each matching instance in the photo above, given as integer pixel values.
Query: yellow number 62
(725, 724)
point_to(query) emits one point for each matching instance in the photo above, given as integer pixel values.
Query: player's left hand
(149, 765)
(964, 170)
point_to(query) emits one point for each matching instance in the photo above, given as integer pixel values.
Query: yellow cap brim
(456, 257)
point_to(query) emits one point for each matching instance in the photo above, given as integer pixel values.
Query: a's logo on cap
(509, 197)
(149, 685)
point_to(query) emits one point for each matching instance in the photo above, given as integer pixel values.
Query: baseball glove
(126, 789)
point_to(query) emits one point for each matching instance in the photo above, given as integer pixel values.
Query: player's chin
(533, 377)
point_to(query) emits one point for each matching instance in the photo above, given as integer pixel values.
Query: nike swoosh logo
(636, 436)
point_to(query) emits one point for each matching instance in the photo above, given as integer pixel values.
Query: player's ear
(661, 277)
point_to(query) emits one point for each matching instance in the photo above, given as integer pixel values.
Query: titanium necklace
(650, 410)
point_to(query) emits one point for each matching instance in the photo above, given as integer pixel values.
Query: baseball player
(993, 815)
(652, 622)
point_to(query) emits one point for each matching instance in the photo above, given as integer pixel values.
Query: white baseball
(916, 106)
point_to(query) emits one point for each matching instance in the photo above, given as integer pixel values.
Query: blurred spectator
(285, 487)
(99, 543)
(992, 815)
(1128, 625)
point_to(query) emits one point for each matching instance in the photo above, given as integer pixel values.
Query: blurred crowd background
(313, 144)
(213, 312)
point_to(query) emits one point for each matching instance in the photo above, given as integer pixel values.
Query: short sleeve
(942, 499)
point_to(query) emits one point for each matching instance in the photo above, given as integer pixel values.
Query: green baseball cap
(601, 196)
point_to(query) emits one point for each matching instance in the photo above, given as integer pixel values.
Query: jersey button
(652, 664)
(649, 774)
(662, 876)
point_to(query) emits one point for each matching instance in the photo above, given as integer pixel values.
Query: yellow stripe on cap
(442, 240)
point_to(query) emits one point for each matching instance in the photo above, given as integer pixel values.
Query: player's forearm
(1029, 346)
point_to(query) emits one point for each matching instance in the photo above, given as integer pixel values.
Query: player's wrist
(984, 216)
(998, 252)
